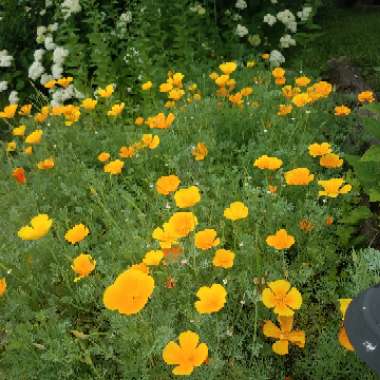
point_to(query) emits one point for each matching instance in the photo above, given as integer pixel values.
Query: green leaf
(374, 195)
(372, 154)
(356, 215)
(372, 126)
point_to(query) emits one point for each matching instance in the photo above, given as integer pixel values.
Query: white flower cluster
(5, 59)
(198, 8)
(288, 19)
(305, 13)
(270, 19)
(70, 7)
(48, 3)
(36, 69)
(286, 41)
(240, 4)
(276, 58)
(13, 97)
(122, 23)
(60, 95)
(44, 32)
(241, 30)
(59, 54)
(3, 86)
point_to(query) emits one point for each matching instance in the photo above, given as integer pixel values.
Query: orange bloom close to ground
(284, 109)
(284, 335)
(139, 121)
(206, 239)
(366, 97)
(104, 156)
(167, 184)
(301, 100)
(305, 225)
(19, 131)
(165, 235)
(298, 177)
(236, 211)
(302, 81)
(278, 72)
(106, 92)
(46, 164)
(25, 110)
(269, 163)
(3, 286)
(186, 355)
(19, 175)
(200, 152)
(146, 86)
(116, 109)
(331, 161)
(83, 265)
(333, 187)
(160, 121)
(150, 141)
(211, 299)
(114, 167)
(77, 233)
(153, 258)
(130, 292)
(182, 223)
(316, 149)
(9, 111)
(126, 151)
(35, 137)
(342, 110)
(282, 298)
(342, 334)
(187, 197)
(223, 258)
(321, 89)
(280, 240)
(39, 227)
(228, 67)
(89, 104)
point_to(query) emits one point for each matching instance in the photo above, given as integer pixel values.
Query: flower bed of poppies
(193, 234)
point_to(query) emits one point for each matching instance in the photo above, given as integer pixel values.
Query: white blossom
(56, 70)
(60, 54)
(276, 58)
(53, 27)
(240, 4)
(49, 43)
(13, 97)
(70, 7)
(270, 19)
(286, 41)
(3, 85)
(38, 54)
(305, 13)
(41, 30)
(241, 30)
(35, 70)
(5, 59)
(236, 17)
(45, 78)
(288, 19)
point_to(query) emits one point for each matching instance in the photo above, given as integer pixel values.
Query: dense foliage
(92, 167)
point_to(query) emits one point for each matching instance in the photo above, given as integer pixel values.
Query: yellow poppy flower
(211, 299)
(282, 298)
